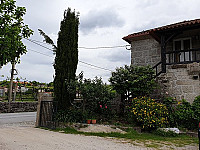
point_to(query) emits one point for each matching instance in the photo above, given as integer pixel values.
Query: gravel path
(25, 137)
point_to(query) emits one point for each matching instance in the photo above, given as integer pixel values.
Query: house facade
(174, 52)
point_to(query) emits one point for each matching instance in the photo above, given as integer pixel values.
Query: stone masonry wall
(145, 52)
(18, 107)
(181, 81)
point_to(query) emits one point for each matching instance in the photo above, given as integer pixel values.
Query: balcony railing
(182, 56)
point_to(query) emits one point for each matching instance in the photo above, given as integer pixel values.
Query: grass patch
(149, 139)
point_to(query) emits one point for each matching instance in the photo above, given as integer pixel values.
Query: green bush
(196, 108)
(70, 115)
(96, 95)
(184, 115)
(181, 113)
(148, 113)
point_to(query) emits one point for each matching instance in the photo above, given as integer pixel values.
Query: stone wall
(181, 81)
(18, 107)
(145, 52)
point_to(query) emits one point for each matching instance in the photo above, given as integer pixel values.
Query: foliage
(66, 59)
(181, 113)
(149, 113)
(196, 108)
(135, 79)
(171, 103)
(164, 133)
(96, 95)
(12, 30)
(70, 115)
(184, 115)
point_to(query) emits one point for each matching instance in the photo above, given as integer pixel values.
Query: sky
(103, 23)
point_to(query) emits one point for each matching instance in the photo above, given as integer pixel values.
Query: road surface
(17, 132)
(9, 118)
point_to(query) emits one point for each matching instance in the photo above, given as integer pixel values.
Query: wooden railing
(183, 56)
(158, 69)
(177, 57)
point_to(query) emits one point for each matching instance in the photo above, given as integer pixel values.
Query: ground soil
(25, 137)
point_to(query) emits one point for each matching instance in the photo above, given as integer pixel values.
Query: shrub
(196, 108)
(96, 96)
(70, 115)
(181, 113)
(171, 104)
(184, 115)
(149, 113)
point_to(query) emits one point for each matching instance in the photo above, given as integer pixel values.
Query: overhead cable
(82, 47)
(78, 61)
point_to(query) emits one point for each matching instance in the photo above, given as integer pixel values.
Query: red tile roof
(178, 25)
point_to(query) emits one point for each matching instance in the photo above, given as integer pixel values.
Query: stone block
(197, 90)
(177, 90)
(193, 68)
(183, 82)
(137, 54)
(187, 89)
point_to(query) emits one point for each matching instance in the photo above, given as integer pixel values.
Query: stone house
(174, 52)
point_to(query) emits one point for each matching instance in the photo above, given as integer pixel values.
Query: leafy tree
(12, 30)
(66, 59)
(137, 80)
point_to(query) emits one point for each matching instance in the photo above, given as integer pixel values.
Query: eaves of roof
(174, 26)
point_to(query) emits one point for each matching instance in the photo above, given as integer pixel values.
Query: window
(182, 45)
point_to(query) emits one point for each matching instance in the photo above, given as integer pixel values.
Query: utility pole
(11, 85)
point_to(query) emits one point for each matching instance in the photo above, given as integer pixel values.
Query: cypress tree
(66, 59)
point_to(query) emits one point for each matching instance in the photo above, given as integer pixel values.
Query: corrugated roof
(178, 25)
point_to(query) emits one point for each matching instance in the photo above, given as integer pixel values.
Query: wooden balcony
(182, 56)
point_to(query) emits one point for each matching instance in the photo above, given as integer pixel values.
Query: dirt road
(26, 137)
(23, 136)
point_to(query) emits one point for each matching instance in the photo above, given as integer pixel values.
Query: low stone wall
(18, 107)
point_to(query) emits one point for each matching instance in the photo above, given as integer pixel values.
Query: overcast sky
(102, 23)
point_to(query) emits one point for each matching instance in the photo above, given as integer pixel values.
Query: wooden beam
(155, 36)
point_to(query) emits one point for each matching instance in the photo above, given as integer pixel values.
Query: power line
(78, 61)
(95, 66)
(38, 44)
(104, 47)
(40, 53)
(82, 47)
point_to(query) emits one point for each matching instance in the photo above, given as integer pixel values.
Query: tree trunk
(11, 85)
(15, 91)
